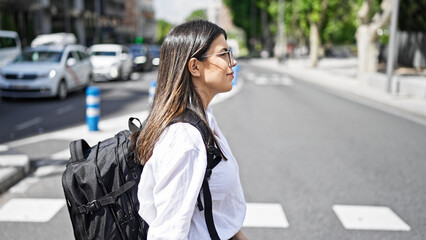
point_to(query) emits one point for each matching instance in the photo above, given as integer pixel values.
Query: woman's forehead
(219, 43)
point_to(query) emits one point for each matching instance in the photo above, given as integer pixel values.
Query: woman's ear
(193, 67)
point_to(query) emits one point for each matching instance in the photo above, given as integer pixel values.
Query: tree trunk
(367, 50)
(366, 34)
(314, 43)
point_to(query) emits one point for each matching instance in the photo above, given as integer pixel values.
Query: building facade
(92, 21)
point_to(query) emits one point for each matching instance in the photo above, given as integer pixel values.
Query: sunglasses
(229, 53)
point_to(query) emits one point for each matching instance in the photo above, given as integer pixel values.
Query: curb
(13, 167)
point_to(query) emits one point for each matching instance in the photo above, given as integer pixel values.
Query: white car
(10, 46)
(110, 61)
(46, 71)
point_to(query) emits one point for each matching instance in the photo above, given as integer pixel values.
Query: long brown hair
(175, 91)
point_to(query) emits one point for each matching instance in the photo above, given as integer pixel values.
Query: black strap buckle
(91, 206)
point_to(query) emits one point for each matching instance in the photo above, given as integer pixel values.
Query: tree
(366, 33)
(197, 14)
(245, 16)
(163, 27)
(317, 21)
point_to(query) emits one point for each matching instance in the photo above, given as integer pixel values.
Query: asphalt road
(305, 150)
(28, 117)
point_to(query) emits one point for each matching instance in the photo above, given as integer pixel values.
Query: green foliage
(197, 14)
(163, 27)
(241, 13)
(337, 22)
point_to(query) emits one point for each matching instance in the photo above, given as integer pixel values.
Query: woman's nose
(234, 62)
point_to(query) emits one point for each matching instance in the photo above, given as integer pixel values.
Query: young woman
(195, 65)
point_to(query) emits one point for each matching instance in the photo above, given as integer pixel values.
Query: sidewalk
(340, 76)
(337, 75)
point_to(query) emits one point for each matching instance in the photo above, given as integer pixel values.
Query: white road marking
(65, 109)
(369, 218)
(3, 148)
(24, 185)
(34, 178)
(13, 160)
(261, 80)
(29, 123)
(265, 215)
(30, 210)
(286, 81)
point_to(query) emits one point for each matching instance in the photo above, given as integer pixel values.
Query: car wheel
(90, 81)
(125, 75)
(62, 90)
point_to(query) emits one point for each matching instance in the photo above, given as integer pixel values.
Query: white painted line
(13, 160)
(64, 110)
(28, 124)
(30, 210)
(3, 148)
(46, 170)
(286, 81)
(61, 155)
(369, 218)
(34, 178)
(265, 215)
(24, 185)
(261, 81)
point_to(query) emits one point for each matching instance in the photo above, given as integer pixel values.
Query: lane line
(65, 109)
(29, 123)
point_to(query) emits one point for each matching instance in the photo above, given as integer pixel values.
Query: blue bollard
(236, 70)
(152, 87)
(93, 107)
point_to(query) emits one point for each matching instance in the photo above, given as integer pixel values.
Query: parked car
(46, 71)
(110, 62)
(142, 60)
(155, 54)
(54, 39)
(10, 46)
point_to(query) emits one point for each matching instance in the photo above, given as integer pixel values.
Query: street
(27, 117)
(313, 165)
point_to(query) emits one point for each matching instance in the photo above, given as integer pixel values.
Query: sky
(175, 11)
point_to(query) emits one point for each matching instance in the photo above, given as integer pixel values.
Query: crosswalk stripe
(369, 218)
(30, 209)
(265, 215)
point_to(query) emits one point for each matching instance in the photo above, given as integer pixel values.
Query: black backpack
(101, 182)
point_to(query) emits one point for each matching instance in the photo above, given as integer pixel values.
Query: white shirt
(172, 179)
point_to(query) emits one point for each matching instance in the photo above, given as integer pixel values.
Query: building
(92, 21)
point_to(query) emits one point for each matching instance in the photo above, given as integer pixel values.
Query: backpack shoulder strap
(213, 158)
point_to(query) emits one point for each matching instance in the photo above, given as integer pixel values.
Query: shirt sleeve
(181, 165)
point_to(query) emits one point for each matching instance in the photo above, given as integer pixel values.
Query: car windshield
(155, 51)
(136, 50)
(103, 53)
(39, 56)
